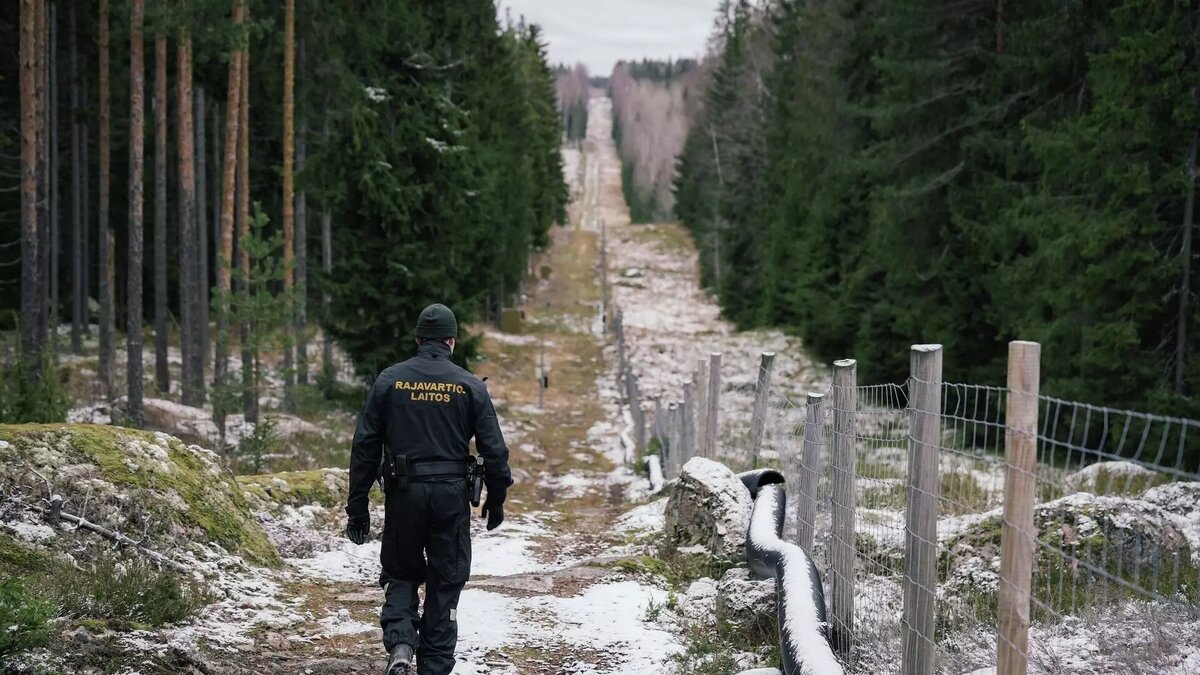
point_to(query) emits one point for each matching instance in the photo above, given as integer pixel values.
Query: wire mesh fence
(1116, 526)
(1112, 526)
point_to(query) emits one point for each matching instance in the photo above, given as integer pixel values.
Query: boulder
(1120, 536)
(1114, 478)
(699, 602)
(1183, 501)
(744, 602)
(709, 507)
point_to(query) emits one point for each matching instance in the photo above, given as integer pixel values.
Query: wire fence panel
(881, 443)
(1118, 535)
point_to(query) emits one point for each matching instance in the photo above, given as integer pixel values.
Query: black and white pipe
(803, 631)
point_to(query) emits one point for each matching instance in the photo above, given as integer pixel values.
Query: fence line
(973, 523)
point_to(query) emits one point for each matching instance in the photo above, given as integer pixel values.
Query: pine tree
(225, 258)
(105, 236)
(136, 198)
(289, 196)
(189, 282)
(162, 370)
(30, 288)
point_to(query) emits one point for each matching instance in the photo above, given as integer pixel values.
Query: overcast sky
(598, 33)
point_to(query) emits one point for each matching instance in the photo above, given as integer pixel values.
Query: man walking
(418, 420)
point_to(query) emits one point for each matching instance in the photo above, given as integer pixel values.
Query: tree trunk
(55, 226)
(189, 293)
(225, 260)
(216, 166)
(43, 177)
(107, 320)
(30, 294)
(249, 356)
(301, 245)
(203, 285)
(1185, 286)
(86, 193)
(289, 139)
(137, 133)
(327, 268)
(162, 369)
(78, 301)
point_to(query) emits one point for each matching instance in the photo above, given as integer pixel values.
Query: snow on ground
(604, 626)
(650, 517)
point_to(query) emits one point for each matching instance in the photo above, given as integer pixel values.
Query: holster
(476, 481)
(396, 475)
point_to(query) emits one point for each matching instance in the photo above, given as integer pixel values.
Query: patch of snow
(32, 532)
(348, 562)
(342, 624)
(509, 549)
(650, 517)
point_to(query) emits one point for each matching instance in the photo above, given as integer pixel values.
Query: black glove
(493, 507)
(358, 529)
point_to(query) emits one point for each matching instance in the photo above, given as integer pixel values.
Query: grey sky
(599, 33)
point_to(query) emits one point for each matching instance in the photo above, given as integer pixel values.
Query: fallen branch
(56, 510)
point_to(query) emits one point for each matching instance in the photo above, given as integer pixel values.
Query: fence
(963, 527)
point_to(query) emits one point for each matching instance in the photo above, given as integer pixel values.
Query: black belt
(430, 469)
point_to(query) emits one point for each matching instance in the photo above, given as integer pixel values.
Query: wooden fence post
(842, 541)
(920, 531)
(762, 396)
(689, 425)
(810, 470)
(673, 438)
(658, 420)
(635, 408)
(713, 404)
(701, 380)
(1017, 547)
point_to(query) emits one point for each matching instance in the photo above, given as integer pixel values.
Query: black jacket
(427, 408)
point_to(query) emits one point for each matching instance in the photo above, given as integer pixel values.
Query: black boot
(401, 661)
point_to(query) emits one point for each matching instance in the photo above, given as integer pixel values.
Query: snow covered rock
(709, 507)
(1122, 536)
(1114, 478)
(699, 602)
(745, 602)
(1182, 500)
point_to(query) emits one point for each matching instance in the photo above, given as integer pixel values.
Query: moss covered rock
(1100, 548)
(323, 487)
(136, 482)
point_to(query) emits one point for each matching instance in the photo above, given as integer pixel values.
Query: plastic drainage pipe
(803, 631)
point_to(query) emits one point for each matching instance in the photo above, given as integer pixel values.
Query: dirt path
(545, 596)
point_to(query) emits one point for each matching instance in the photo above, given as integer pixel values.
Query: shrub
(29, 395)
(24, 617)
(127, 590)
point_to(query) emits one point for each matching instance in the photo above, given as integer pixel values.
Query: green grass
(710, 650)
(1127, 485)
(960, 493)
(677, 569)
(126, 592)
(24, 617)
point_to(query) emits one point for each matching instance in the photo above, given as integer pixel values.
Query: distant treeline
(874, 174)
(572, 90)
(653, 104)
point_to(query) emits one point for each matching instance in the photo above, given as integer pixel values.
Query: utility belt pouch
(402, 473)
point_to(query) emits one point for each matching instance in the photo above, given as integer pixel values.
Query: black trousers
(426, 539)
